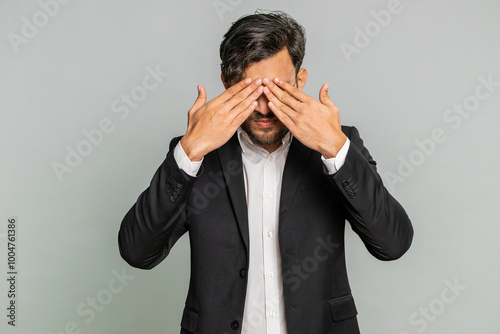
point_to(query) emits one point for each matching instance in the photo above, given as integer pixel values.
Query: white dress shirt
(264, 304)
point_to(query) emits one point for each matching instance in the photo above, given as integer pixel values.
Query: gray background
(396, 91)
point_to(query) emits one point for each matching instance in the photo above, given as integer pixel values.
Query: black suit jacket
(312, 213)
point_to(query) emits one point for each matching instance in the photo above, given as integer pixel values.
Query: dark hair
(260, 36)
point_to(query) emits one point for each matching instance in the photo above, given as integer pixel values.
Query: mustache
(268, 117)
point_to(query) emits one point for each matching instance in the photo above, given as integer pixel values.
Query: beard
(270, 136)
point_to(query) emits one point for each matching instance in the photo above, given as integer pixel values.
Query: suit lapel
(296, 159)
(230, 153)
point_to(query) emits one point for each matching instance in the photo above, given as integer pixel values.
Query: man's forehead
(270, 76)
(279, 65)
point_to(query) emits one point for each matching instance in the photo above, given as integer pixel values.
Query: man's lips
(265, 122)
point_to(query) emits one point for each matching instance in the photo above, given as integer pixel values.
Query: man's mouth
(265, 123)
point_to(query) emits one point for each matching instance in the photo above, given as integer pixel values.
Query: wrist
(333, 147)
(190, 150)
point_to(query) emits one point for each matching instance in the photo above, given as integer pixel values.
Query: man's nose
(262, 105)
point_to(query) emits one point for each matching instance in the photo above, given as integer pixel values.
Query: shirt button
(272, 314)
(235, 324)
(271, 273)
(269, 234)
(243, 273)
(268, 194)
(270, 158)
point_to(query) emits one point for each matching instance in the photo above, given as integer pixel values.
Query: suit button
(235, 324)
(345, 183)
(172, 198)
(243, 273)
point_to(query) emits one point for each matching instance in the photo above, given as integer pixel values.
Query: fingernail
(258, 82)
(248, 80)
(277, 80)
(266, 90)
(266, 81)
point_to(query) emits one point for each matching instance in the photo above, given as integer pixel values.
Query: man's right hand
(212, 124)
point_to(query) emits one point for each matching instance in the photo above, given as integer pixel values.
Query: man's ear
(301, 78)
(223, 82)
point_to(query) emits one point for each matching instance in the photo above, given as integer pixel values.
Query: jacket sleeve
(158, 218)
(375, 215)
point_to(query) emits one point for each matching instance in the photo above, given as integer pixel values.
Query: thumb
(324, 97)
(201, 99)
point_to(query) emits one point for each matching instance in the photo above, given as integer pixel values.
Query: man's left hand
(316, 124)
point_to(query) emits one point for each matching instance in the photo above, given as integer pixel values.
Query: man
(263, 181)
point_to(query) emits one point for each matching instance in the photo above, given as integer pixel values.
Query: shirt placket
(269, 244)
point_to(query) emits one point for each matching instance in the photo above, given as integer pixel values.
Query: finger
(283, 117)
(277, 104)
(233, 90)
(283, 96)
(200, 100)
(241, 115)
(292, 90)
(244, 94)
(248, 100)
(324, 97)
